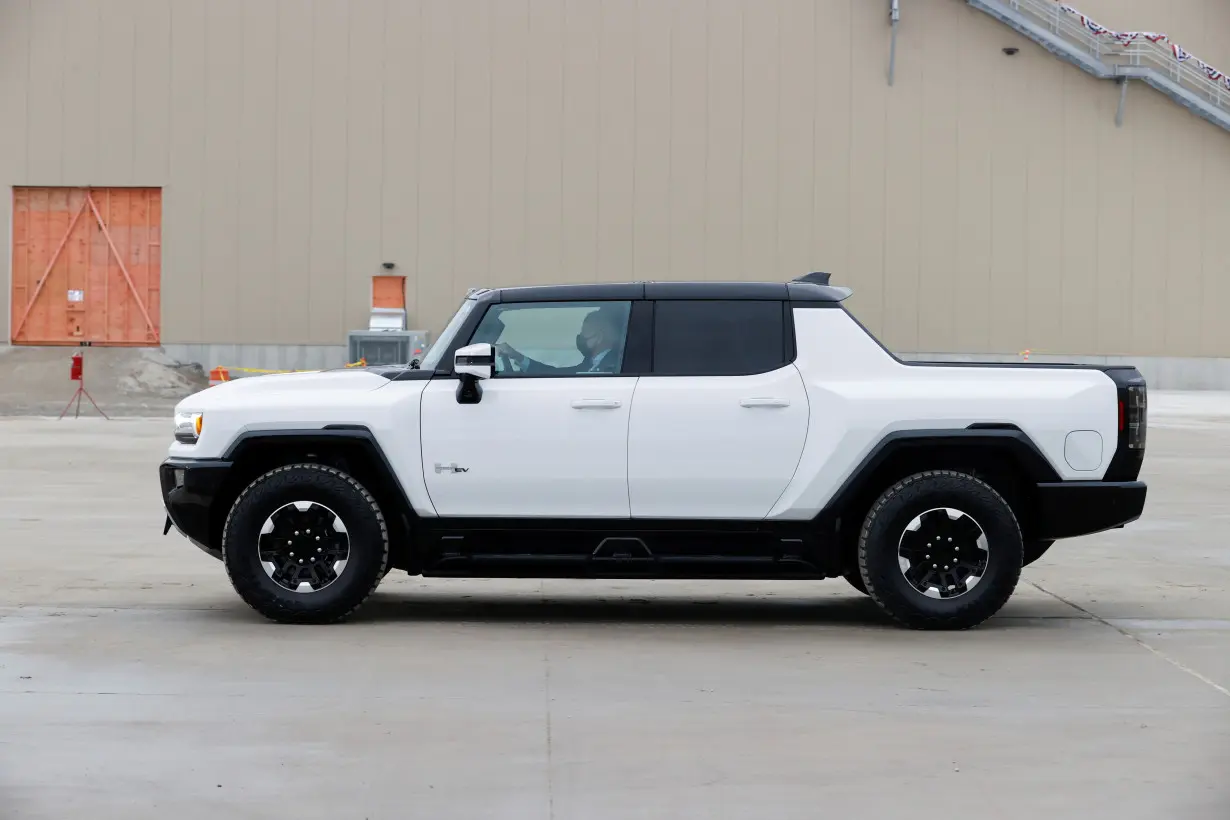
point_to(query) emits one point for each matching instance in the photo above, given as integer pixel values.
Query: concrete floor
(134, 683)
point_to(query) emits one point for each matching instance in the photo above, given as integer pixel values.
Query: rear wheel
(940, 550)
(305, 543)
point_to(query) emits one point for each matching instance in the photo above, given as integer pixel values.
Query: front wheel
(940, 550)
(305, 543)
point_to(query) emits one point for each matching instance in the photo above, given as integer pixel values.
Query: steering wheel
(507, 362)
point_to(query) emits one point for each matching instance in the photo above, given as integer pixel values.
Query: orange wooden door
(87, 266)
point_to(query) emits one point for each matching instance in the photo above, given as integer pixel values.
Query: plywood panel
(86, 266)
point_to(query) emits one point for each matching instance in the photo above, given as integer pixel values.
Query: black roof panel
(799, 291)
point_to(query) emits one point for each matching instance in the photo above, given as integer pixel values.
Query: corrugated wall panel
(258, 299)
(984, 203)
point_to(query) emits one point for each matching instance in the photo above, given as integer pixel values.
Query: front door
(549, 437)
(717, 432)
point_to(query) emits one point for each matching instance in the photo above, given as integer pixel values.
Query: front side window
(718, 337)
(556, 338)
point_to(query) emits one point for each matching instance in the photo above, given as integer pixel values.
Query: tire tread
(980, 608)
(270, 605)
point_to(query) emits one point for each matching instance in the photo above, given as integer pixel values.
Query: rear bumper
(189, 488)
(1071, 508)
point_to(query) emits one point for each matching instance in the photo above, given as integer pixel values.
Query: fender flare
(1007, 438)
(348, 434)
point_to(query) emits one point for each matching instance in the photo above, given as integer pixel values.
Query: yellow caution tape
(359, 363)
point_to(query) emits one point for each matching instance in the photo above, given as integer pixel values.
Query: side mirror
(475, 360)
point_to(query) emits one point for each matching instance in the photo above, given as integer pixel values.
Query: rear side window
(718, 337)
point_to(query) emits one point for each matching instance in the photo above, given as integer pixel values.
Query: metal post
(1123, 84)
(894, 14)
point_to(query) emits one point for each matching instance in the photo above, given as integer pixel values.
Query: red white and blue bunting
(1126, 38)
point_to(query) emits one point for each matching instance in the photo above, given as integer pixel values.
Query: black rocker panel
(582, 548)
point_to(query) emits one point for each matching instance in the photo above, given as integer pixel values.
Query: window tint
(718, 338)
(555, 338)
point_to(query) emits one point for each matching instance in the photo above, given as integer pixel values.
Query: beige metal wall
(985, 203)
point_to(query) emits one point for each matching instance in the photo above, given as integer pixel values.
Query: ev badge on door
(451, 468)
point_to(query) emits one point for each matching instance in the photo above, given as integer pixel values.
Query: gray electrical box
(386, 346)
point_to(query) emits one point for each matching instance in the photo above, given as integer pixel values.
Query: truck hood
(282, 388)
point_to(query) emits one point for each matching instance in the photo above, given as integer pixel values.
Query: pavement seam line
(1182, 667)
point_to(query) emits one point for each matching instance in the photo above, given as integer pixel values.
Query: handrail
(1145, 55)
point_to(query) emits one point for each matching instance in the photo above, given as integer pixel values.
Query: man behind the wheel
(598, 341)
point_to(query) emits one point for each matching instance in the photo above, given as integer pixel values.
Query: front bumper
(189, 489)
(1067, 509)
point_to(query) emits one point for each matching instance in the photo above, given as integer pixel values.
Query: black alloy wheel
(305, 543)
(940, 549)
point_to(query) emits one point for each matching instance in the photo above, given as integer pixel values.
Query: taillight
(1137, 416)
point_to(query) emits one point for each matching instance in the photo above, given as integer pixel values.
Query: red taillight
(1121, 416)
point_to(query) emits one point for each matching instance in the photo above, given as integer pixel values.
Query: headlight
(188, 427)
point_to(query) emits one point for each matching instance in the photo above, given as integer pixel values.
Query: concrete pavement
(135, 684)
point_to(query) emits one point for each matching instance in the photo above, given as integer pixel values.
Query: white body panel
(310, 401)
(859, 394)
(1083, 450)
(537, 448)
(670, 447)
(715, 446)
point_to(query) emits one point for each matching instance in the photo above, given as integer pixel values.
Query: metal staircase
(1149, 57)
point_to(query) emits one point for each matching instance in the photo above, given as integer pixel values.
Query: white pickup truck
(656, 430)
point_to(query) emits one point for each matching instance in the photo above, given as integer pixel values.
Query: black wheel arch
(1002, 455)
(352, 449)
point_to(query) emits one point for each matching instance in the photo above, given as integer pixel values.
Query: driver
(597, 341)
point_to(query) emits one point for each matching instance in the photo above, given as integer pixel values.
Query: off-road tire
(887, 521)
(366, 530)
(1035, 550)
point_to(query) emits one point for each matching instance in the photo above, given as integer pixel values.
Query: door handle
(596, 404)
(766, 402)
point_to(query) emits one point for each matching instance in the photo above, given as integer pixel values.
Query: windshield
(432, 358)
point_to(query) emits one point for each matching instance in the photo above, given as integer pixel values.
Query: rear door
(718, 427)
